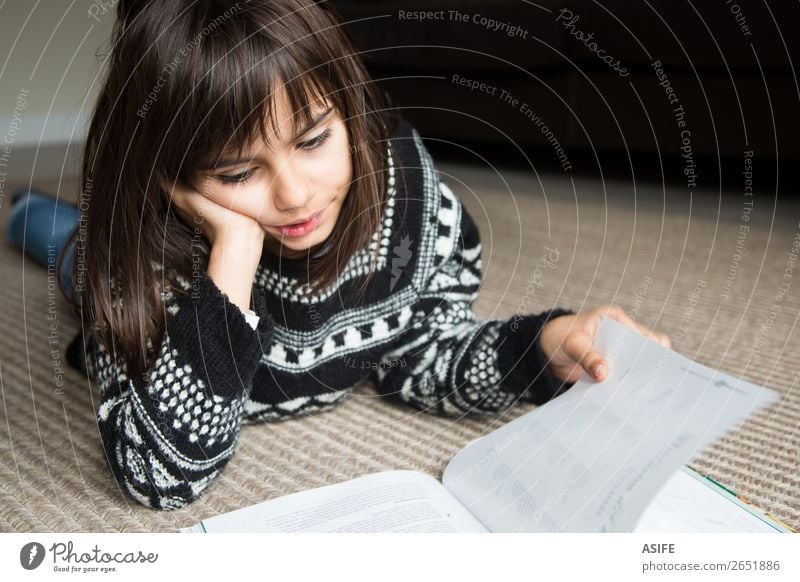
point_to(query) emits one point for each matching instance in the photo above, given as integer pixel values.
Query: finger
(579, 348)
(617, 313)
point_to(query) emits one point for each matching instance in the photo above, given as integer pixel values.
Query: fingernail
(599, 370)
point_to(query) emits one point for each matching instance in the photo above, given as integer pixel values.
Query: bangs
(189, 81)
(232, 83)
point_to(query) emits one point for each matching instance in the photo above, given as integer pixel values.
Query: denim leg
(40, 226)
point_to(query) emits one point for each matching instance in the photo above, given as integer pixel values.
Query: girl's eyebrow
(233, 161)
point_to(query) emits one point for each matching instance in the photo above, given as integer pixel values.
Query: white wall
(48, 67)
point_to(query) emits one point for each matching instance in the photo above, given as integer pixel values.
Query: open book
(602, 457)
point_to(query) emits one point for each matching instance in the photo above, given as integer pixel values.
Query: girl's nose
(291, 189)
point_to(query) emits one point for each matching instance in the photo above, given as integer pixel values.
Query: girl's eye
(239, 178)
(317, 141)
(242, 177)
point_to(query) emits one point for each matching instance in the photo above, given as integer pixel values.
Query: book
(609, 456)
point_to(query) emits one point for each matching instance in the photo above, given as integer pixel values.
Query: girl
(258, 234)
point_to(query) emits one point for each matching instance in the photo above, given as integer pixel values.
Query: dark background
(737, 85)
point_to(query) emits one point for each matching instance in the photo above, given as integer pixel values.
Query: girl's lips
(302, 229)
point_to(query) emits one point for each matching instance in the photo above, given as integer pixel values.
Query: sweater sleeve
(169, 433)
(447, 362)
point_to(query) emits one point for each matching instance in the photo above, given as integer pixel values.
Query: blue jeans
(39, 225)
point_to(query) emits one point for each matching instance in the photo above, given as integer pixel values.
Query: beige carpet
(610, 240)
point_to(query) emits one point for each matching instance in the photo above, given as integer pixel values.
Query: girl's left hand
(568, 342)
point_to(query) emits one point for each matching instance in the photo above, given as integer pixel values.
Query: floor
(677, 262)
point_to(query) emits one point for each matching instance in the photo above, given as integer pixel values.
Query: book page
(689, 502)
(391, 501)
(593, 458)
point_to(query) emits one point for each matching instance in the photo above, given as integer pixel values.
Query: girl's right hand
(237, 242)
(215, 221)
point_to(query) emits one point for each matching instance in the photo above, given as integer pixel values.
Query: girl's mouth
(303, 228)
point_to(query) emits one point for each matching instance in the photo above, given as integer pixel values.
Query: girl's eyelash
(242, 177)
(317, 141)
(239, 178)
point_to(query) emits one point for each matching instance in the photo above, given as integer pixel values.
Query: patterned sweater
(169, 433)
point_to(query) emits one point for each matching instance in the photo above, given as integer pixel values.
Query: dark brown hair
(184, 76)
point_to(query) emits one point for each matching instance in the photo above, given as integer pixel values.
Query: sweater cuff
(522, 362)
(251, 317)
(215, 337)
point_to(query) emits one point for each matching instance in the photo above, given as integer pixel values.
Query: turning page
(593, 458)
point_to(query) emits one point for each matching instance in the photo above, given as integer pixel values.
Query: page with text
(390, 501)
(593, 459)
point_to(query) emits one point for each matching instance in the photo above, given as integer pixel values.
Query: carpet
(679, 262)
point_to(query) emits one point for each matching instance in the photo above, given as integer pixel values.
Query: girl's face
(305, 169)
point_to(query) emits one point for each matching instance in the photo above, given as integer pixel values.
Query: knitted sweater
(169, 433)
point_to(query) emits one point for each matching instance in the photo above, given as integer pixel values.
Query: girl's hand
(567, 342)
(215, 221)
(237, 242)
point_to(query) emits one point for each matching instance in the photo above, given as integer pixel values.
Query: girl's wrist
(232, 266)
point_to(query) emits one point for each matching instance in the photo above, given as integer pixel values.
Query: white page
(592, 459)
(391, 501)
(691, 503)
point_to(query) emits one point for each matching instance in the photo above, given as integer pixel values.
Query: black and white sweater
(168, 434)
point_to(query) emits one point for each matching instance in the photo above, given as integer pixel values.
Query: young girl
(258, 234)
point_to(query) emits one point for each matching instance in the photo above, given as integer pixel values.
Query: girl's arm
(169, 433)
(449, 363)
(233, 261)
